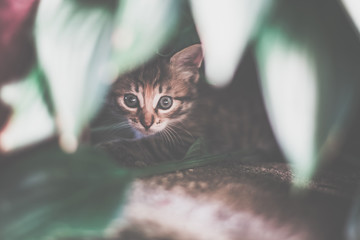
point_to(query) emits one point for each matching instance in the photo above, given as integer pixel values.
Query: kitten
(167, 105)
(226, 200)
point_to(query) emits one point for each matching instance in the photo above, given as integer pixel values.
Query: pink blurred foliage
(16, 43)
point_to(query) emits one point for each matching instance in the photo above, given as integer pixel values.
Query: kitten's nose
(147, 121)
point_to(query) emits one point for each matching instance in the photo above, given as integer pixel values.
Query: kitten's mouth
(148, 132)
(141, 133)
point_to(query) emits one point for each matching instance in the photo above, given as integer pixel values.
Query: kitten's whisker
(110, 127)
(162, 134)
(117, 132)
(110, 133)
(171, 140)
(176, 136)
(179, 137)
(99, 145)
(169, 137)
(182, 128)
(120, 127)
(111, 119)
(174, 132)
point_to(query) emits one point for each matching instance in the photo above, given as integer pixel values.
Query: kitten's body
(228, 119)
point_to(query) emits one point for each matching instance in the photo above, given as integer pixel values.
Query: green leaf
(309, 70)
(142, 28)
(73, 48)
(27, 99)
(225, 27)
(353, 9)
(53, 194)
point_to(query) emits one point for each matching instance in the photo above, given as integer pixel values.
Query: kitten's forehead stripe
(141, 76)
(139, 82)
(158, 73)
(148, 98)
(157, 76)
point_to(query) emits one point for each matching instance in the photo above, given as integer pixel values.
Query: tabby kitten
(168, 106)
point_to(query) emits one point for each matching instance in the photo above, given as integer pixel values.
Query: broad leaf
(73, 48)
(31, 120)
(310, 73)
(225, 27)
(142, 28)
(53, 194)
(353, 8)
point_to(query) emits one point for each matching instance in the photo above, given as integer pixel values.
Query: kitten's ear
(189, 57)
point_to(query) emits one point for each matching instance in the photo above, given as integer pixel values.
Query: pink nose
(147, 121)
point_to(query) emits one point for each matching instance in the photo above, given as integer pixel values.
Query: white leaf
(31, 121)
(289, 83)
(353, 8)
(142, 28)
(73, 49)
(225, 27)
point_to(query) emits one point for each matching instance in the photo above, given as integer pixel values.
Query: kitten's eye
(165, 102)
(131, 100)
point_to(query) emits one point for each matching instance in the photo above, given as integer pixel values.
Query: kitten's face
(161, 93)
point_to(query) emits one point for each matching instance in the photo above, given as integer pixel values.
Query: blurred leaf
(225, 28)
(290, 91)
(198, 148)
(142, 28)
(73, 47)
(353, 8)
(27, 100)
(184, 35)
(51, 194)
(309, 71)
